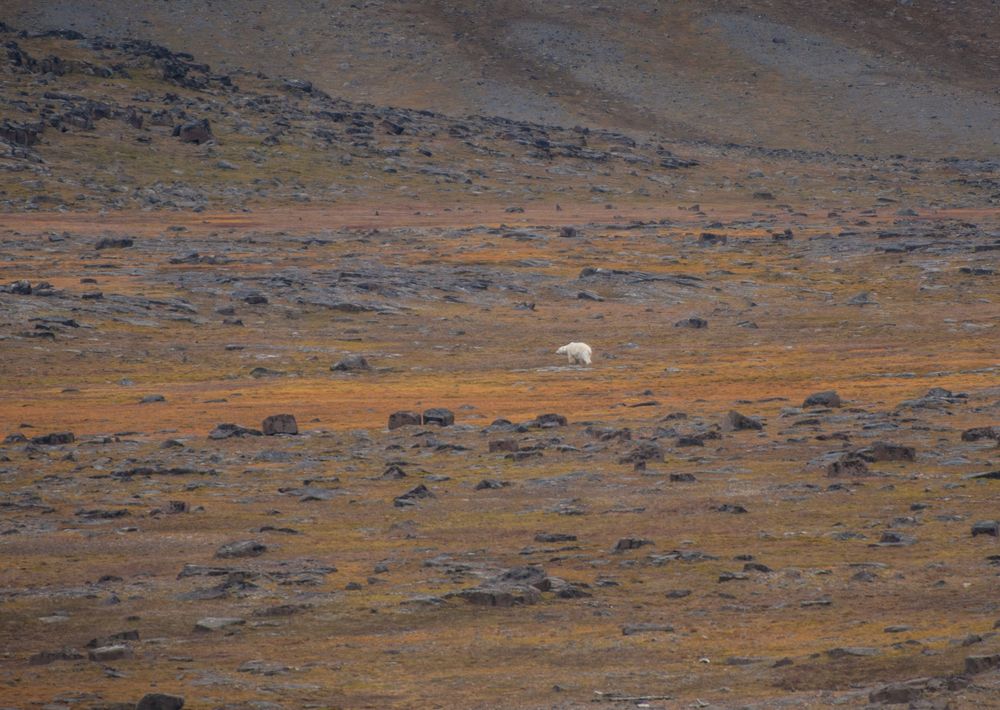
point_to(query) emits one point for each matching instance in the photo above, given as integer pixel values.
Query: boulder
(847, 465)
(828, 398)
(631, 543)
(279, 424)
(981, 432)
(504, 445)
(695, 323)
(54, 439)
(196, 132)
(241, 548)
(986, 527)
(403, 418)
(217, 623)
(160, 701)
(412, 496)
(114, 243)
(439, 416)
(105, 654)
(351, 363)
(885, 451)
(980, 664)
(740, 422)
(225, 431)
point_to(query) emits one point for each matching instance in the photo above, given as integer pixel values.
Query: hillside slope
(890, 76)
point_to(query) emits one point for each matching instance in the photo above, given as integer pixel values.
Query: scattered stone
(849, 464)
(631, 543)
(505, 598)
(897, 629)
(884, 451)
(226, 431)
(114, 243)
(263, 668)
(106, 654)
(280, 424)
(554, 537)
(643, 452)
(241, 548)
(113, 639)
(695, 323)
(196, 132)
(218, 623)
(865, 298)
(682, 478)
(547, 421)
(46, 657)
(633, 629)
(510, 445)
(738, 422)
(895, 539)
(899, 693)
(852, 651)
(733, 577)
(351, 363)
(412, 496)
(828, 398)
(491, 484)
(731, 508)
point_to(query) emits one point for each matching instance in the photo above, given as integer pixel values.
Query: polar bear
(577, 353)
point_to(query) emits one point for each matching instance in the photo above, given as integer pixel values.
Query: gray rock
(54, 439)
(895, 539)
(160, 701)
(104, 654)
(865, 298)
(264, 668)
(44, 658)
(739, 422)
(828, 398)
(899, 693)
(696, 323)
(225, 431)
(885, 451)
(631, 543)
(847, 465)
(218, 623)
(196, 132)
(412, 496)
(114, 243)
(986, 527)
(403, 418)
(351, 363)
(633, 629)
(980, 664)
(506, 597)
(279, 424)
(241, 548)
(439, 416)
(852, 651)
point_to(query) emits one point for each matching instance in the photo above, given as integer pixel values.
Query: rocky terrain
(283, 425)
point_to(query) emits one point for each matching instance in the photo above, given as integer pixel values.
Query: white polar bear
(578, 353)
